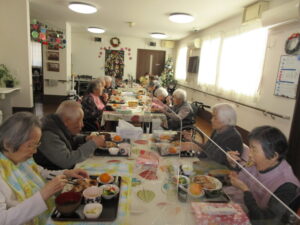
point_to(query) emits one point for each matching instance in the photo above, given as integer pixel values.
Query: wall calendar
(287, 77)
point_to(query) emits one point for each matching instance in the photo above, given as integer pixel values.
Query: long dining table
(158, 202)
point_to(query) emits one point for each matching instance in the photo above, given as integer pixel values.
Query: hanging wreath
(291, 39)
(115, 42)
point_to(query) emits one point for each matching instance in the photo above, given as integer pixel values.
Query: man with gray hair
(61, 146)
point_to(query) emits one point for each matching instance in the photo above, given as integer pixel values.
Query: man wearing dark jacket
(61, 146)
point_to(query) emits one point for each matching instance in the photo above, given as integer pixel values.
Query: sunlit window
(180, 72)
(36, 51)
(233, 64)
(241, 62)
(208, 61)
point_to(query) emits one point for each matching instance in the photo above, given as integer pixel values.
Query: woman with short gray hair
(224, 134)
(24, 195)
(180, 114)
(162, 94)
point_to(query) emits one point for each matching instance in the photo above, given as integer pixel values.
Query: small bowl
(108, 182)
(187, 169)
(67, 202)
(182, 180)
(105, 190)
(92, 210)
(92, 194)
(113, 151)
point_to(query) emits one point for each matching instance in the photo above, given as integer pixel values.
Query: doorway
(150, 61)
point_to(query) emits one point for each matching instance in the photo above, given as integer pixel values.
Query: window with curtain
(180, 71)
(233, 65)
(208, 61)
(36, 53)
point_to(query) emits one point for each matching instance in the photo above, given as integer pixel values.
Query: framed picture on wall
(53, 47)
(53, 67)
(54, 56)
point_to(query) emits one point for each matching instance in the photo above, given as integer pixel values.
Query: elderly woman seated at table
(163, 95)
(268, 147)
(92, 106)
(24, 195)
(153, 86)
(180, 114)
(224, 135)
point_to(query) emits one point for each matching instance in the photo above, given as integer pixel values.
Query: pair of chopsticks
(69, 181)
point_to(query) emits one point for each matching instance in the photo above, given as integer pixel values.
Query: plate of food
(78, 185)
(212, 186)
(105, 178)
(207, 182)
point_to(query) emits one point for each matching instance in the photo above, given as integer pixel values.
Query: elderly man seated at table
(224, 134)
(25, 198)
(268, 147)
(180, 114)
(92, 106)
(61, 147)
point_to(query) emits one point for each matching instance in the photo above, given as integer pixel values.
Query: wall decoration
(53, 67)
(114, 62)
(54, 56)
(53, 47)
(115, 42)
(41, 33)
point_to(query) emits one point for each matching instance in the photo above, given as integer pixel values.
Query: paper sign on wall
(287, 77)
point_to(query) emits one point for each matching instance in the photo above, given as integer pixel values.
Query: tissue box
(219, 213)
(131, 133)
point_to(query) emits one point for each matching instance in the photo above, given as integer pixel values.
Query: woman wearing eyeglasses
(25, 198)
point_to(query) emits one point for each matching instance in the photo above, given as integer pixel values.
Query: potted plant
(6, 78)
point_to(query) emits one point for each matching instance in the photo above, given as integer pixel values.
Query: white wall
(85, 53)
(15, 47)
(250, 118)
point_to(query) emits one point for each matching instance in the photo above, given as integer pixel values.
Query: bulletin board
(287, 77)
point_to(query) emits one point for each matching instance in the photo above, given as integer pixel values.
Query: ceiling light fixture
(181, 17)
(158, 35)
(81, 7)
(96, 30)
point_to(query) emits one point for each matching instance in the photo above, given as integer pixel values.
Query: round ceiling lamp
(81, 7)
(181, 17)
(158, 35)
(96, 30)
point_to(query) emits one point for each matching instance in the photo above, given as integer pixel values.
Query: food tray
(105, 152)
(184, 154)
(109, 212)
(222, 198)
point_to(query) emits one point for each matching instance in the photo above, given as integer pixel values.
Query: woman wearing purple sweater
(268, 147)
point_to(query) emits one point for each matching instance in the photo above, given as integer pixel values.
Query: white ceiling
(149, 15)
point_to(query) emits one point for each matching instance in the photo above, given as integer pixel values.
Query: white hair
(69, 109)
(226, 113)
(107, 78)
(101, 80)
(161, 92)
(180, 94)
